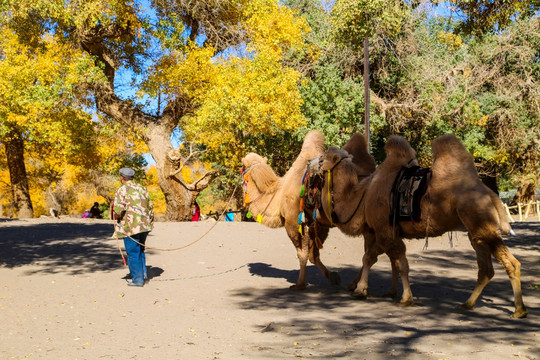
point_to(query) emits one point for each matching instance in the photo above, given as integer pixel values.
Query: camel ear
(332, 156)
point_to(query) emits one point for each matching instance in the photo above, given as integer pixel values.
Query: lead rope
(180, 247)
(330, 195)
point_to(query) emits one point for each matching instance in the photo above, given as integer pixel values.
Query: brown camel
(274, 201)
(455, 199)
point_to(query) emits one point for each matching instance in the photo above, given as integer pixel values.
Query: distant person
(229, 215)
(134, 213)
(86, 214)
(196, 213)
(95, 212)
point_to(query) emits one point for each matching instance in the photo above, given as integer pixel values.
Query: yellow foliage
(158, 199)
(452, 41)
(250, 96)
(501, 157)
(189, 73)
(273, 28)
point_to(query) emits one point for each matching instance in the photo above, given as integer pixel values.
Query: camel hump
(313, 144)
(399, 151)
(357, 147)
(450, 153)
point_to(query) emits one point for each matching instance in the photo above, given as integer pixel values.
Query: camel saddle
(408, 189)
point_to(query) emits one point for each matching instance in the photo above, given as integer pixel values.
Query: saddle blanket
(409, 187)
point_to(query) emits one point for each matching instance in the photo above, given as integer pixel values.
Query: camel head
(258, 174)
(333, 157)
(251, 159)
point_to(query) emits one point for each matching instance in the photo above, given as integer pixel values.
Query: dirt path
(63, 296)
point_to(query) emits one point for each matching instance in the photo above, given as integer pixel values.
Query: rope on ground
(204, 276)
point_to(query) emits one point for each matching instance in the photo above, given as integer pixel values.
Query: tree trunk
(17, 174)
(177, 196)
(525, 193)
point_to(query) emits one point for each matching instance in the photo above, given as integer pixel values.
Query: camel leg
(369, 259)
(314, 254)
(495, 246)
(369, 242)
(303, 255)
(400, 267)
(302, 251)
(395, 279)
(332, 276)
(485, 271)
(513, 269)
(403, 266)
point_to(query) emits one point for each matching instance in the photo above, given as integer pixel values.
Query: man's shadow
(153, 272)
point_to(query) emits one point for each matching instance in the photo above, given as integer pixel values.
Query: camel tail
(503, 220)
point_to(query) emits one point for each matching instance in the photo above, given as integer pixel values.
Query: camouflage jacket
(139, 211)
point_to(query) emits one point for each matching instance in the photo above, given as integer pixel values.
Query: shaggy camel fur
(455, 199)
(277, 200)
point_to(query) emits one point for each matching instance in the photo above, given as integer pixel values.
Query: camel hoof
(405, 303)
(334, 278)
(297, 287)
(359, 295)
(519, 314)
(351, 286)
(465, 307)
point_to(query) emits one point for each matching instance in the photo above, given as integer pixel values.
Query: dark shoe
(135, 284)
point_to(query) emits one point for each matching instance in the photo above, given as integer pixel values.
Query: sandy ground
(63, 296)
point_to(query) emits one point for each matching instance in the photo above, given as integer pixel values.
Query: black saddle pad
(409, 187)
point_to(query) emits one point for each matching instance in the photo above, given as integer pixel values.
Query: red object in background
(196, 213)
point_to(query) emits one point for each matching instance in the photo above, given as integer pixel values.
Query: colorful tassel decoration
(301, 217)
(302, 190)
(248, 215)
(300, 229)
(259, 218)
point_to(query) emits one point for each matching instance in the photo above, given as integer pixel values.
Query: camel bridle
(333, 215)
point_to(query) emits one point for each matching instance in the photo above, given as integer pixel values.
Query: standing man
(134, 212)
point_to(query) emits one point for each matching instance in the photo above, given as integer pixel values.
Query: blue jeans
(136, 257)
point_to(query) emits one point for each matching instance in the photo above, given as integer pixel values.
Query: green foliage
(332, 104)
(487, 16)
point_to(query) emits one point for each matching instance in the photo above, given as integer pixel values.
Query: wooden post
(510, 218)
(366, 92)
(528, 209)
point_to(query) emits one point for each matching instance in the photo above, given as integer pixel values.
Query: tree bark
(22, 203)
(525, 193)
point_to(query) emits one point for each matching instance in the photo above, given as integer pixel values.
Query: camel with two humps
(455, 199)
(275, 200)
